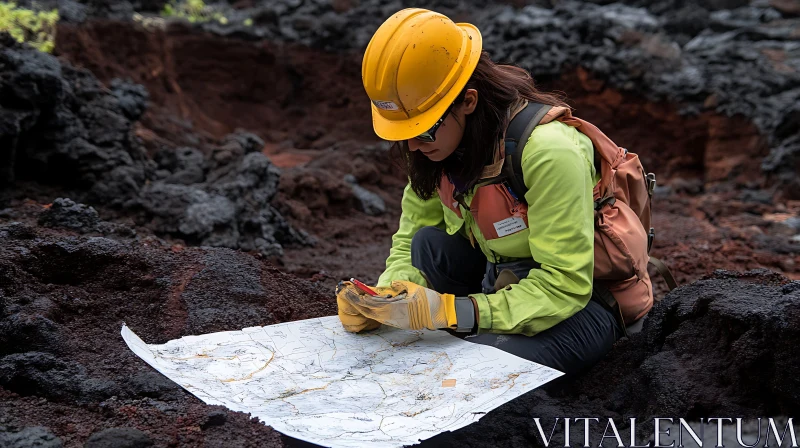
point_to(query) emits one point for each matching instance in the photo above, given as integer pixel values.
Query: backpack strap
(517, 134)
(602, 295)
(665, 272)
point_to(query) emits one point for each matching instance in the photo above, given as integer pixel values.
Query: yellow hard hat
(414, 67)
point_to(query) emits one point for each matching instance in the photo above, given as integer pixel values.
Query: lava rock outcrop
(60, 126)
(223, 201)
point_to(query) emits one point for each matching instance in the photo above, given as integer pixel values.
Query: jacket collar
(494, 169)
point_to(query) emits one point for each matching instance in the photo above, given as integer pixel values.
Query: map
(316, 382)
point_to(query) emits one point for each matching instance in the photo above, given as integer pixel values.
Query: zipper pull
(516, 204)
(511, 192)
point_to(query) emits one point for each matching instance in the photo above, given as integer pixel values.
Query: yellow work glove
(352, 320)
(405, 305)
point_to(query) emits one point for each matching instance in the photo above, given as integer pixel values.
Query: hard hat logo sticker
(385, 105)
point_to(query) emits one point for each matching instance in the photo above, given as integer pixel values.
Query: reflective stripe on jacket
(557, 164)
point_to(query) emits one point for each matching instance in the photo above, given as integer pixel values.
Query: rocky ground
(186, 180)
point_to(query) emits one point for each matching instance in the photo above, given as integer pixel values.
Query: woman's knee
(422, 245)
(571, 346)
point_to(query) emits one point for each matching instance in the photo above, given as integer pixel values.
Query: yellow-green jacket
(558, 170)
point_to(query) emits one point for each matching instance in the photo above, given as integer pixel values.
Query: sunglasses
(429, 136)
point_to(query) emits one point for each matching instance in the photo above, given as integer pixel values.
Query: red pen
(363, 287)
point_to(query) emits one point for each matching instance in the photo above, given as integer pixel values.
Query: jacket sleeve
(416, 214)
(560, 179)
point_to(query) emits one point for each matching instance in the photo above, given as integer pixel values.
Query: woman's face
(449, 134)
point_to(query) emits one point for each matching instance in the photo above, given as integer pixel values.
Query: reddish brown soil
(705, 148)
(85, 288)
(202, 83)
(705, 220)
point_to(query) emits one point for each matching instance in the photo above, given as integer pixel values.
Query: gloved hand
(405, 305)
(352, 320)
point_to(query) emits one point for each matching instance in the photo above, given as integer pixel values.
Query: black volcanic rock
(60, 126)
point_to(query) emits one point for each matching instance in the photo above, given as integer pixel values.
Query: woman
(522, 284)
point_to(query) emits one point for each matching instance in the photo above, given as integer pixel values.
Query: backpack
(622, 203)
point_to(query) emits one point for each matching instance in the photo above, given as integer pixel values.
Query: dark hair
(498, 86)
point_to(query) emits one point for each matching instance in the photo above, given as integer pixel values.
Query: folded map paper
(314, 381)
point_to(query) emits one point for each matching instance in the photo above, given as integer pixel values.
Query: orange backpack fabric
(622, 221)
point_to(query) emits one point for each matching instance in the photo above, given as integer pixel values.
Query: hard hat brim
(397, 130)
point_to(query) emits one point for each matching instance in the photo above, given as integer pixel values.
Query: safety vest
(495, 209)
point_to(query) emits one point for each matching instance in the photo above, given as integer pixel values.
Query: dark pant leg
(453, 266)
(450, 262)
(570, 346)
